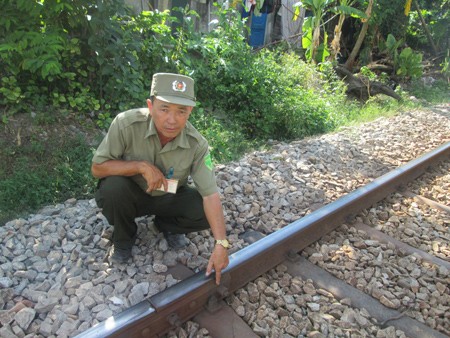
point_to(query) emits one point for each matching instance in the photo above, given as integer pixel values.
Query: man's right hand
(153, 176)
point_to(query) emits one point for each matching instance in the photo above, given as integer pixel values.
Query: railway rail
(160, 313)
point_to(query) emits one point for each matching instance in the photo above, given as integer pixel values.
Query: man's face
(169, 118)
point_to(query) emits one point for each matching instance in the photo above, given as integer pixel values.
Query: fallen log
(380, 67)
(363, 88)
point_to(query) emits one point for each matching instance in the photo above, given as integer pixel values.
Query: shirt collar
(151, 129)
(180, 141)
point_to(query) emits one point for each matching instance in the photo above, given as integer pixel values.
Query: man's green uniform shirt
(132, 136)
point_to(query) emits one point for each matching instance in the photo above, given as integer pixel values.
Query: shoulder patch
(208, 162)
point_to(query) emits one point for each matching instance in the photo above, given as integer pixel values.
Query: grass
(418, 95)
(375, 108)
(42, 173)
(438, 92)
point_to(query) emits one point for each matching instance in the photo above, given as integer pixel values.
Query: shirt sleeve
(202, 171)
(112, 147)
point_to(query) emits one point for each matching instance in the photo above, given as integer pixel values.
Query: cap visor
(177, 100)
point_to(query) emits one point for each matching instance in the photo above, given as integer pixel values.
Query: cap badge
(179, 86)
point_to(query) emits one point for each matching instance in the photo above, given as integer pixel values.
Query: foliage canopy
(98, 57)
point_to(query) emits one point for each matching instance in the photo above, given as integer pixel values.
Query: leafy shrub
(77, 55)
(115, 46)
(226, 141)
(388, 18)
(437, 18)
(409, 64)
(263, 92)
(44, 59)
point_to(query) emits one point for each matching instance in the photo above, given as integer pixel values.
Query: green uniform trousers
(122, 200)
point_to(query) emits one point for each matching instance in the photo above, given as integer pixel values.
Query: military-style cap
(173, 88)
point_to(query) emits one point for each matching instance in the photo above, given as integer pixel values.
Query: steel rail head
(185, 299)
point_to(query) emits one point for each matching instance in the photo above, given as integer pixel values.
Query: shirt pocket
(181, 168)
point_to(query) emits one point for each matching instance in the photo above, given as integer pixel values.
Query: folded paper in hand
(171, 186)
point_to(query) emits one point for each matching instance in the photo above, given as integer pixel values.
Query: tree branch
(425, 28)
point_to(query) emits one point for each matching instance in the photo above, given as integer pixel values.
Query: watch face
(223, 242)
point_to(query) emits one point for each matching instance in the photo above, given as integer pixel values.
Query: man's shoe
(176, 241)
(118, 255)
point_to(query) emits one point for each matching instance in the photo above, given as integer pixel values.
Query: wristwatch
(223, 242)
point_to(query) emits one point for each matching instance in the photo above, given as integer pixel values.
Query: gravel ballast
(55, 282)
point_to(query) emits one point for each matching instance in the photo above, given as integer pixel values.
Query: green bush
(409, 64)
(226, 141)
(36, 50)
(77, 55)
(102, 60)
(263, 92)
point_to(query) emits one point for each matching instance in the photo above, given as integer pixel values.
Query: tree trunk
(315, 43)
(425, 28)
(335, 44)
(362, 34)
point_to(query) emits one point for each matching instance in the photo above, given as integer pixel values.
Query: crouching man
(143, 164)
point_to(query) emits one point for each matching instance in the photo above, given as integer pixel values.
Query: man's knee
(114, 184)
(193, 206)
(113, 188)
